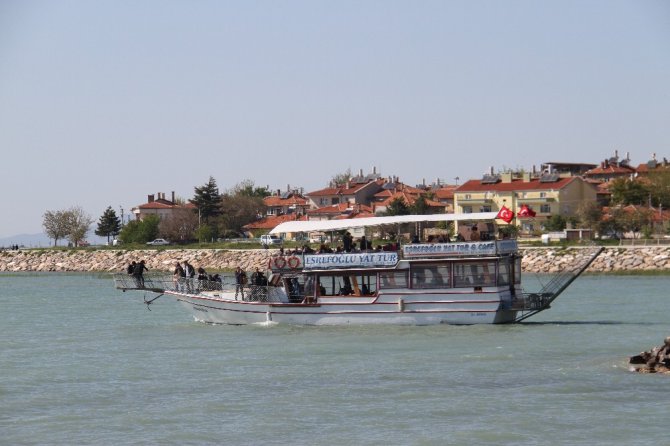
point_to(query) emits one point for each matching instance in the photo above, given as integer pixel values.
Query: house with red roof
(395, 190)
(357, 190)
(540, 197)
(612, 168)
(285, 203)
(265, 224)
(160, 206)
(652, 166)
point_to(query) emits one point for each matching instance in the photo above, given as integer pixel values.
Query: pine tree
(208, 200)
(109, 224)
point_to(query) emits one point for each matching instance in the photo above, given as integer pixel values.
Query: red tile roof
(272, 221)
(293, 200)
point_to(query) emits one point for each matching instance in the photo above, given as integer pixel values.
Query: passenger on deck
(364, 245)
(178, 275)
(347, 241)
(474, 234)
(138, 273)
(240, 281)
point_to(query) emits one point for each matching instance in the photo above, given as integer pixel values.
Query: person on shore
(138, 273)
(131, 268)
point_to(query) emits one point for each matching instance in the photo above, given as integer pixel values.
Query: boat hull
(389, 309)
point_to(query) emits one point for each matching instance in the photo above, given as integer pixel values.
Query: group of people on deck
(256, 289)
(184, 278)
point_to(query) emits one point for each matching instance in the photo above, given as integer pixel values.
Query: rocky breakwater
(535, 260)
(614, 259)
(117, 260)
(656, 360)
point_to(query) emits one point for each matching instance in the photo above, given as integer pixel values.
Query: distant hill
(42, 241)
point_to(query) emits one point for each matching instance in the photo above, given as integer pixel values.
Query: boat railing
(162, 282)
(533, 302)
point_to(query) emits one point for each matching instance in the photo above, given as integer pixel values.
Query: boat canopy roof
(335, 225)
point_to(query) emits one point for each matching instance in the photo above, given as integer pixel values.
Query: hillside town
(536, 198)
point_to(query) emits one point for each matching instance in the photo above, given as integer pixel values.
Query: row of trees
(215, 215)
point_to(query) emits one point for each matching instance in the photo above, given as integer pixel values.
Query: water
(81, 363)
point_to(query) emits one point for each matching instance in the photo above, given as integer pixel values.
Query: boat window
(430, 276)
(471, 274)
(504, 272)
(393, 279)
(348, 284)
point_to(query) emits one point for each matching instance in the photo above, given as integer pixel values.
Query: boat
(421, 283)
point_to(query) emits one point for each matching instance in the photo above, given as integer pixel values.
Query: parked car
(269, 240)
(158, 242)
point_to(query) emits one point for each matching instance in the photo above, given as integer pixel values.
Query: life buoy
(293, 262)
(280, 262)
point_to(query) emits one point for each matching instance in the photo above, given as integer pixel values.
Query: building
(357, 190)
(286, 203)
(543, 196)
(160, 206)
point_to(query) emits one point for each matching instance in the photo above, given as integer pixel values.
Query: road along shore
(535, 260)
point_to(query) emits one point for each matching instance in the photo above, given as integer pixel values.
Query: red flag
(505, 214)
(525, 211)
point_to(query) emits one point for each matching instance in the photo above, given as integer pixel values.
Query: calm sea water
(82, 363)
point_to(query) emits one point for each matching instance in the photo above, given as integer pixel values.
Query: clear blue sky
(105, 102)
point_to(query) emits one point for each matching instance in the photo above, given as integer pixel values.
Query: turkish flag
(525, 211)
(505, 214)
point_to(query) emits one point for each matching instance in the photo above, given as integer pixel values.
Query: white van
(269, 240)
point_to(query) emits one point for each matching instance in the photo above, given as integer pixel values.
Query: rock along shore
(535, 260)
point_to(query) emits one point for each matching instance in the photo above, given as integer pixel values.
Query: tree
(109, 224)
(420, 206)
(590, 214)
(625, 192)
(55, 225)
(555, 223)
(180, 226)
(247, 188)
(239, 210)
(659, 188)
(140, 231)
(397, 206)
(208, 200)
(79, 223)
(341, 178)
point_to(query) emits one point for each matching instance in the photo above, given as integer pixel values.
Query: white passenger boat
(476, 282)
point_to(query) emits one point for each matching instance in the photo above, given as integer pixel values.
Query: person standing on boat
(347, 240)
(364, 244)
(178, 275)
(240, 281)
(138, 273)
(189, 273)
(474, 234)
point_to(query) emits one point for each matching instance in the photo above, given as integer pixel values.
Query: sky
(105, 102)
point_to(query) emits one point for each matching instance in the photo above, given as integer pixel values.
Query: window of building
(467, 209)
(543, 195)
(485, 208)
(545, 208)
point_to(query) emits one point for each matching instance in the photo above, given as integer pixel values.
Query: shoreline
(616, 260)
